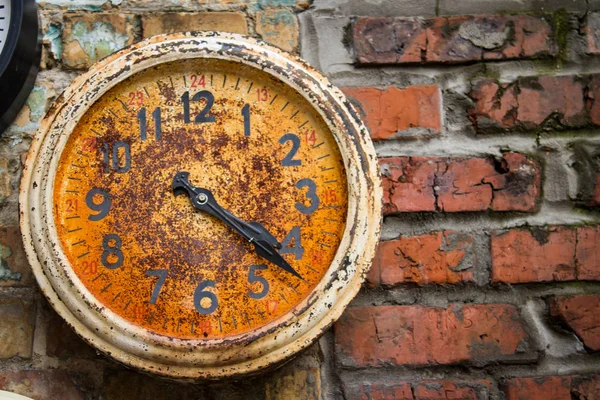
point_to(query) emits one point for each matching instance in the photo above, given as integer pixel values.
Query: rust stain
(159, 232)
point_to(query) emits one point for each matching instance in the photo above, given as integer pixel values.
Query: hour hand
(265, 244)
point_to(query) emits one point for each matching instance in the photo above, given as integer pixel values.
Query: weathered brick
(61, 341)
(419, 116)
(89, 37)
(556, 253)
(408, 183)
(563, 387)
(594, 99)
(495, 105)
(587, 253)
(450, 390)
(17, 319)
(592, 31)
(558, 97)
(530, 103)
(14, 267)
(40, 384)
(459, 39)
(372, 42)
(120, 384)
(460, 184)
(418, 336)
(441, 257)
(534, 255)
(579, 313)
(278, 27)
(423, 390)
(380, 391)
(159, 23)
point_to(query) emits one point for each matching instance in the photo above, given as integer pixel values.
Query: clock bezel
(214, 358)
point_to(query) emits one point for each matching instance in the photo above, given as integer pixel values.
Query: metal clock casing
(104, 318)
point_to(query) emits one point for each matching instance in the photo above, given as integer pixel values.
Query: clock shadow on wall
(19, 56)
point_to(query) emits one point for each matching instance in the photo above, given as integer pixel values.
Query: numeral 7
(162, 277)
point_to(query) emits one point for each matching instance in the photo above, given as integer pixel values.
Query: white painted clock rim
(216, 358)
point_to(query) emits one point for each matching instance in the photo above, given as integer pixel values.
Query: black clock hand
(264, 242)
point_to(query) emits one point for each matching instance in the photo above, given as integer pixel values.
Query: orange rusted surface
(168, 247)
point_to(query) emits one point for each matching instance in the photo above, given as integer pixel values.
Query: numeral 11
(144, 123)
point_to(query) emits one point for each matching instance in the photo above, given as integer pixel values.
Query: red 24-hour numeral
(71, 205)
(330, 196)
(88, 145)
(136, 98)
(310, 137)
(89, 268)
(197, 81)
(262, 94)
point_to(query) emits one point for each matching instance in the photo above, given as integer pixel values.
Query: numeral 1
(246, 114)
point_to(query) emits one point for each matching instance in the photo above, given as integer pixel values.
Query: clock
(201, 205)
(19, 55)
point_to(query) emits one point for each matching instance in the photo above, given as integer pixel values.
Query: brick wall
(486, 119)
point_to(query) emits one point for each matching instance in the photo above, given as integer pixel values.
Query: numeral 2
(288, 160)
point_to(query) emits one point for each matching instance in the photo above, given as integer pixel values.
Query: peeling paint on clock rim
(195, 360)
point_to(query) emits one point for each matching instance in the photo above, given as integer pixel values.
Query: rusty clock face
(157, 260)
(200, 206)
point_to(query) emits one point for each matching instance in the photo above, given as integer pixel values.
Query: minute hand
(264, 242)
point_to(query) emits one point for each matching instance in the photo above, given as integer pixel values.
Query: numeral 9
(102, 208)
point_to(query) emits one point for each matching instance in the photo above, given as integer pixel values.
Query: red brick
(564, 387)
(40, 385)
(580, 313)
(542, 388)
(460, 184)
(594, 99)
(423, 390)
(372, 42)
(457, 39)
(536, 255)
(445, 44)
(419, 115)
(381, 391)
(477, 184)
(419, 336)
(518, 186)
(587, 253)
(557, 253)
(495, 105)
(408, 183)
(451, 390)
(529, 103)
(441, 257)
(592, 31)
(542, 97)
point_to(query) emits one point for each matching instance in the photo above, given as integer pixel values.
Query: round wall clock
(201, 206)
(19, 55)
